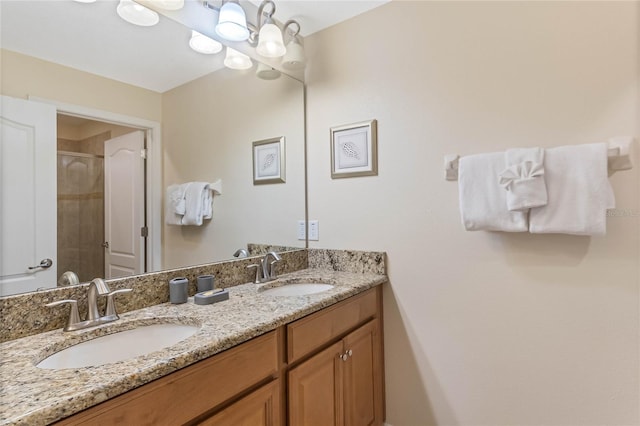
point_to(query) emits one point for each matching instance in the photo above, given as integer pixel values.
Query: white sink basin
(119, 346)
(300, 289)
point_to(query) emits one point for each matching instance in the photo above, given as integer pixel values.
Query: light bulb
(232, 22)
(137, 14)
(270, 44)
(294, 58)
(203, 44)
(236, 60)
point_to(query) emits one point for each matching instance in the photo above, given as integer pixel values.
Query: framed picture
(268, 161)
(354, 150)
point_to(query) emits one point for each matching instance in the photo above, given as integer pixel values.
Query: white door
(28, 220)
(124, 205)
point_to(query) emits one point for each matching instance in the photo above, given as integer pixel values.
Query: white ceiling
(92, 37)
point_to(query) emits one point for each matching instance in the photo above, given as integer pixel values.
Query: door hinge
(143, 153)
(144, 232)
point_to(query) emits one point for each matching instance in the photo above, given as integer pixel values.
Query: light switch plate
(301, 230)
(314, 230)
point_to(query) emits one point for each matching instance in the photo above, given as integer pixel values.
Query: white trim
(154, 167)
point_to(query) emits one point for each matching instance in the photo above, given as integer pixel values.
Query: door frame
(153, 179)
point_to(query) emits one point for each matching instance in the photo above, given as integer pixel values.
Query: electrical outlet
(314, 230)
(301, 230)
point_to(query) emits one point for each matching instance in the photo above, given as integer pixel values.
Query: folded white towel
(196, 197)
(175, 204)
(482, 200)
(523, 179)
(578, 189)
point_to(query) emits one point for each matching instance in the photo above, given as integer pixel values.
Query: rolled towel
(578, 189)
(523, 179)
(482, 200)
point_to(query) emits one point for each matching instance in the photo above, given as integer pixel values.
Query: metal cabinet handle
(44, 264)
(344, 357)
(349, 352)
(105, 244)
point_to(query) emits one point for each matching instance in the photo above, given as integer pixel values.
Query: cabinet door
(315, 390)
(259, 408)
(363, 377)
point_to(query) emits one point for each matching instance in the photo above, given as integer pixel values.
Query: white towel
(175, 204)
(482, 200)
(197, 196)
(523, 179)
(578, 189)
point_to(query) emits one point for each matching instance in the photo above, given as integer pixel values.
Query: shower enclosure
(81, 214)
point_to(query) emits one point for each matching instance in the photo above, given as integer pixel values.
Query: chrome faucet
(269, 268)
(241, 253)
(97, 287)
(265, 270)
(68, 278)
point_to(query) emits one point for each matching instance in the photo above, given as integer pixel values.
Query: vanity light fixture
(203, 44)
(137, 14)
(232, 22)
(236, 60)
(294, 59)
(85, 1)
(265, 36)
(270, 43)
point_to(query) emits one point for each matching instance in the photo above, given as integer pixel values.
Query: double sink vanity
(305, 348)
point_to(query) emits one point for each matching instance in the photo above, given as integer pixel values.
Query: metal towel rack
(619, 158)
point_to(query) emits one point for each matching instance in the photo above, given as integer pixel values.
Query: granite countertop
(34, 396)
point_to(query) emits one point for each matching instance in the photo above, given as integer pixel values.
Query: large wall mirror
(209, 118)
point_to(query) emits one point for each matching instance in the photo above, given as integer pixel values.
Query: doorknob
(44, 264)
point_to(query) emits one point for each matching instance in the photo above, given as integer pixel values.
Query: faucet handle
(272, 269)
(111, 303)
(74, 317)
(258, 268)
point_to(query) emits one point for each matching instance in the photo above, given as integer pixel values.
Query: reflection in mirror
(210, 131)
(208, 121)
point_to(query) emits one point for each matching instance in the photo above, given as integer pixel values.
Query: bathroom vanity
(325, 368)
(256, 359)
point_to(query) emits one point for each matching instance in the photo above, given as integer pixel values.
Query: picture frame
(354, 150)
(269, 161)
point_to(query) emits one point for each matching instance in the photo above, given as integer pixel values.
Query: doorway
(81, 243)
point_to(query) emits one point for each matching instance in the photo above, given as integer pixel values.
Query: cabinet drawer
(190, 392)
(320, 328)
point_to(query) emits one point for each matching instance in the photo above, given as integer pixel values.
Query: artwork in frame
(268, 161)
(354, 150)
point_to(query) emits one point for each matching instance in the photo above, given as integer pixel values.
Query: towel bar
(619, 158)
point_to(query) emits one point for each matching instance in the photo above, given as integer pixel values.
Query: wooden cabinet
(315, 389)
(259, 408)
(362, 379)
(343, 384)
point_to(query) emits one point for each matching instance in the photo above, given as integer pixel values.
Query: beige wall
(485, 328)
(209, 125)
(22, 76)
